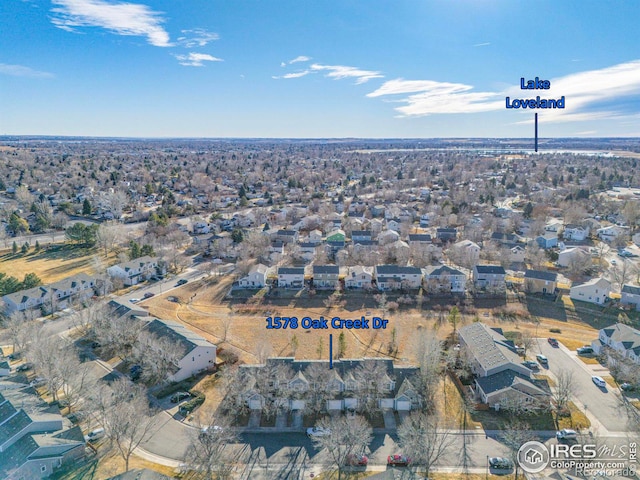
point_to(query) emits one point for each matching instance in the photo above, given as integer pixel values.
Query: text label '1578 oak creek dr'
(308, 323)
(537, 102)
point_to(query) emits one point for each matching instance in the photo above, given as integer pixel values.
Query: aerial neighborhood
(241, 289)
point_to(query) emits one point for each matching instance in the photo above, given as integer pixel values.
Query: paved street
(602, 403)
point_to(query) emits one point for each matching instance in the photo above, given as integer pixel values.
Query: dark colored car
(398, 460)
(148, 295)
(180, 282)
(24, 367)
(531, 364)
(553, 342)
(500, 463)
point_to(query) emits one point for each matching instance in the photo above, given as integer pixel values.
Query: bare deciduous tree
(158, 356)
(347, 436)
(207, 454)
(428, 351)
(564, 389)
(123, 410)
(425, 439)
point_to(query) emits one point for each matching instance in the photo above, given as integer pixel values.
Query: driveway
(602, 403)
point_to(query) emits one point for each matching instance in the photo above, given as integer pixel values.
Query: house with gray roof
(256, 278)
(620, 338)
(442, 279)
(53, 297)
(489, 277)
(538, 281)
(630, 295)
(34, 445)
(197, 353)
(290, 277)
(326, 276)
(395, 277)
(500, 378)
(136, 271)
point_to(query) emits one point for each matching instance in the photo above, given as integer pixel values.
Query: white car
(94, 435)
(542, 359)
(566, 434)
(318, 432)
(599, 381)
(134, 300)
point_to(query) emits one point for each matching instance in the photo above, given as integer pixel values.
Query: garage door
(402, 405)
(334, 404)
(255, 404)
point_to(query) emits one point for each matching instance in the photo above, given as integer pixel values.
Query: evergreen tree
(25, 248)
(37, 246)
(86, 207)
(14, 247)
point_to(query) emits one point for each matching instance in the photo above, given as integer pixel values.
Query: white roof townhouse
(359, 277)
(621, 338)
(596, 290)
(134, 271)
(256, 278)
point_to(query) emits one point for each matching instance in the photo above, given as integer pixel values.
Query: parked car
(599, 381)
(179, 396)
(566, 434)
(24, 367)
(210, 430)
(398, 460)
(355, 460)
(553, 342)
(542, 359)
(148, 295)
(182, 281)
(586, 350)
(134, 300)
(318, 432)
(627, 387)
(37, 382)
(500, 463)
(94, 435)
(531, 364)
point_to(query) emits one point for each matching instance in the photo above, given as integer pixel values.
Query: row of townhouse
(137, 270)
(621, 339)
(53, 297)
(351, 384)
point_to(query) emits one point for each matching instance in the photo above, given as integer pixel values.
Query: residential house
(359, 277)
(504, 238)
(596, 290)
(287, 236)
(422, 239)
(444, 280)
(610, 233)
(394, 224)
(196, 353)
(630, 296)
(336, 236)
(554, 225)
(499, 376)
(326, 277)
(467, 251)
(446, 234)
(489, 277)
(620, 338)
(394, 277)
(315, 236)
(35, 441)
(388, 236)
(536, 281)
(548, 240)
(290, 277)
(53, 297)
(293, 384)
(256, 278)
(135, 271)
(361, 235)
(571, 255)
(575, 232)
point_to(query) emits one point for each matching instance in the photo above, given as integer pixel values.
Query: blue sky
(305, 68)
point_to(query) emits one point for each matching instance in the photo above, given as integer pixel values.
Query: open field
(55, 263)
(106, 465)
(241, 325)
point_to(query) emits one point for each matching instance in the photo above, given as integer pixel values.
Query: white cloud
(583, 91)
(22, 71)
(300, 58)
(338, 72)
(120, 18)
(485, 44)
(293, 75)
(196, 59)
(197, 37)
